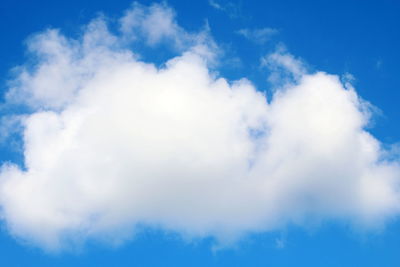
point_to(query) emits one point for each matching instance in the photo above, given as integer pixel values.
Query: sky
(204, 133)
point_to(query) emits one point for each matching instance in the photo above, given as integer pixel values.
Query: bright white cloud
(114, 143)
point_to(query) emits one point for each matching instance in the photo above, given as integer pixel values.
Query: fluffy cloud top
(113, 143)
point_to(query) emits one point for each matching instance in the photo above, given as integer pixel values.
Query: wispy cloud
(156, 24)
(379, 64)
(258, 36)
(284, 67)
(215, 4)
(280, 243)
(231, 9)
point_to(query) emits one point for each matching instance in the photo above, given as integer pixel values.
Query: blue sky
(271, 44)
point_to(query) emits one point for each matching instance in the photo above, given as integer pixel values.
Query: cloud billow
(113, 142)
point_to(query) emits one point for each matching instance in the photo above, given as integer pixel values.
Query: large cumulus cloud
(112, 142)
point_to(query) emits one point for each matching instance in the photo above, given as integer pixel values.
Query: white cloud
(114, 143)
(258, 36)
(157, 24)
(284, 67)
